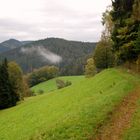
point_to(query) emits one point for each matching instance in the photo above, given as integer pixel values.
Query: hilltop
(11, 44)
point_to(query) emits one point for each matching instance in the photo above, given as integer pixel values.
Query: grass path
(120, 118)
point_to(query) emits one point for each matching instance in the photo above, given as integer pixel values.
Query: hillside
(68, 55)
(50, 85)
(11, 44)
(75, 112)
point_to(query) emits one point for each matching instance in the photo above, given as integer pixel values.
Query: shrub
(68, 83)
(40, 91)
(32, 93)
(61, 84)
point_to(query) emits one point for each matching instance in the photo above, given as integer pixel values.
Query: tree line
(42, 74)
(120, 39)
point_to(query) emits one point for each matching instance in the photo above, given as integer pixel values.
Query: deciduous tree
(16, 79)
(90, 68)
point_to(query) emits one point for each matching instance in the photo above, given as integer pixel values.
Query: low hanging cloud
(46, 54)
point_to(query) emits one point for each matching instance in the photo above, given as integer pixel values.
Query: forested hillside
(69, 56)
(11, 44)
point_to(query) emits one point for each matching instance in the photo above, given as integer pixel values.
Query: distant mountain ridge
(11, 44)
(70, 56)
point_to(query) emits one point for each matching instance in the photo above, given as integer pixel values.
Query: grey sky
(38, 19)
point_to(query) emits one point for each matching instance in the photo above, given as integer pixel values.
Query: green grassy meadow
(50, 85)
(71, 113)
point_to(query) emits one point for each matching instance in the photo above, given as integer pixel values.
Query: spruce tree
(125, 15)
(137, 43)
(7, 98)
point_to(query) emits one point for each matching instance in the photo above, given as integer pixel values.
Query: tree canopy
(90, 68)
(41, 75)
(16, 79)
(126, 19)
(12, 86)
(7, 94)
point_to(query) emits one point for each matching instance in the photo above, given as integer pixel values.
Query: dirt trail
(120, 118)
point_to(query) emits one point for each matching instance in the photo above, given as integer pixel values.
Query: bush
(32, 93)
(42, 79)
(40, 91)
(68, 83)
(61, 84)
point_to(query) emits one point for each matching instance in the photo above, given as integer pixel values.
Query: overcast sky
(38, 19)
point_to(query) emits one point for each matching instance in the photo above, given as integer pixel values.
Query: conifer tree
(126, 19)
(7, 98)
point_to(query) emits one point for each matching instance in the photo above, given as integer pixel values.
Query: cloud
(46, 54)
(36, 19)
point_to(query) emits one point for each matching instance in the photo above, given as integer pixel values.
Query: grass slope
(71, 113)
(50, 85)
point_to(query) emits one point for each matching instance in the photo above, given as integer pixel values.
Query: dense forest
(11, 44)
(73, 55)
